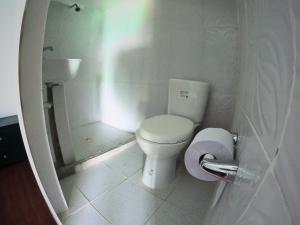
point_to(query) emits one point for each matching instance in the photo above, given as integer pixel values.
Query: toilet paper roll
(215, 141)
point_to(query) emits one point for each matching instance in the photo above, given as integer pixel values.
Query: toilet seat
(166, 129)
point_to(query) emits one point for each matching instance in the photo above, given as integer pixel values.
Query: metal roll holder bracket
(225, 170)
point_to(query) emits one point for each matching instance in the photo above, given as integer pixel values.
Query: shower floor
(108, 190)
(94, 139)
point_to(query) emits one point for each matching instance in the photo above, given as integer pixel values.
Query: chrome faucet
(50, 48)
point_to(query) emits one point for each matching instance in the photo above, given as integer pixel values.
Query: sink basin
(60, 70)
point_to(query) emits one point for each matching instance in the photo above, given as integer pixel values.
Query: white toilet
(163, 137)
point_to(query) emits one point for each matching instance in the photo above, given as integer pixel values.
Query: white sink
(60, 70)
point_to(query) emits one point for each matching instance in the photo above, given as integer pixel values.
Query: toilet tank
(188, 99)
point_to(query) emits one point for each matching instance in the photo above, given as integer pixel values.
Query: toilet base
(159, 173)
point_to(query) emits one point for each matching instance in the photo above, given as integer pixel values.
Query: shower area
(73, 106)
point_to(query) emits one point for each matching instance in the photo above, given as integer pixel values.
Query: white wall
(130, 49)
(266, 189)
(11, 15)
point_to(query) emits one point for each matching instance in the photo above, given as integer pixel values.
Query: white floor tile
(136, 149)
(87, 216)
(125, 162)
(75, 199)
(128, 204)
(192, 195)
(160, 193)
(96, 180)
(168, 214)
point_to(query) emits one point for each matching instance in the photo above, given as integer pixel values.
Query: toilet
(163, 137)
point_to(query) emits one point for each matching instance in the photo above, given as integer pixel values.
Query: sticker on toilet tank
(184, 94)
(151, 172)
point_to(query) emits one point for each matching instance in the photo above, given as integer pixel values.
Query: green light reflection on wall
(126, 27)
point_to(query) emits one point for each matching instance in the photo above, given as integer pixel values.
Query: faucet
(50, 48)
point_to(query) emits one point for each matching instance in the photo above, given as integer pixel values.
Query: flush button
(184, 94)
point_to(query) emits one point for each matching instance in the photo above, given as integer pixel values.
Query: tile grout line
(143, 186)
(124, 175)
(106, 192)
(99, 213)
(127, 179)
(163, 201)
(146, 219)
(184, 209)
(74, 212)
(98, 196)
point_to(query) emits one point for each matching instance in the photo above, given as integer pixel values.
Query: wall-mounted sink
(60, 70)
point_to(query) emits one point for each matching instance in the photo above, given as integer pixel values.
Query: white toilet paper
(215, 141)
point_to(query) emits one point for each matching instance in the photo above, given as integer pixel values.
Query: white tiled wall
(130, 48)
(265, 191)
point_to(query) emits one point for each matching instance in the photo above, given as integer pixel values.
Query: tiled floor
(97, 138)
(110, 191)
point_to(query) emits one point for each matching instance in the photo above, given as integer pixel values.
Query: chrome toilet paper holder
(223, 169)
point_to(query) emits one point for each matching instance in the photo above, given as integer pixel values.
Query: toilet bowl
(163, 137)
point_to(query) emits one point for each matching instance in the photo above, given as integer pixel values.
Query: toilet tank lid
(166, 129)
